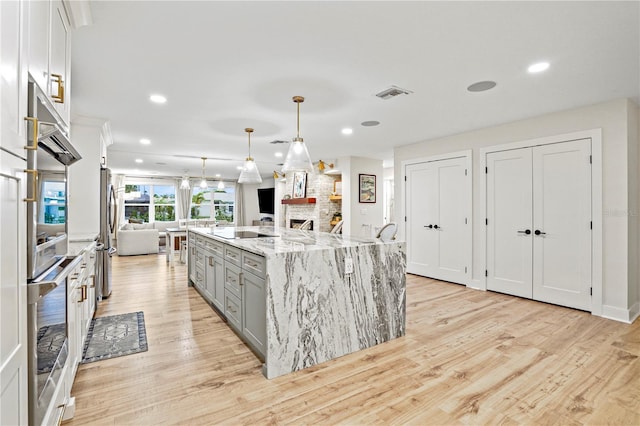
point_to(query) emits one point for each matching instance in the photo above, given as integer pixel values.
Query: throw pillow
(131, 220)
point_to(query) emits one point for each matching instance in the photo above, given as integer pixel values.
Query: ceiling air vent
(393, 91)
(276, 142)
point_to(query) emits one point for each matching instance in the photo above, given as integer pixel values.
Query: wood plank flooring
(469, 357)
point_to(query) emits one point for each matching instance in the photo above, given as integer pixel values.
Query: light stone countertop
(78, 243)
(282, 240)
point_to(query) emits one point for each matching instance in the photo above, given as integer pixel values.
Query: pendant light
(220, 185)
(298, 156)
(249, 173)
(203, 182)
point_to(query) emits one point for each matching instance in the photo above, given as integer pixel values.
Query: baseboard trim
(620, 314)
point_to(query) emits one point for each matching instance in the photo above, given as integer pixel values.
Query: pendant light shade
(249, 173)
(203, 183)
(220, 185)
(298, 157)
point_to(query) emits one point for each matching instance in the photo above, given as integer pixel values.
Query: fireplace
(295, 224)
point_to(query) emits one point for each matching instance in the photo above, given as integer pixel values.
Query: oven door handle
(36, 290)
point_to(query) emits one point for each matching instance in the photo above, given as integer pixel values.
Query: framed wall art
(299, 185)
(367, 188)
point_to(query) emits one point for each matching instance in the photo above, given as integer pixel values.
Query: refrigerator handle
(113, 209)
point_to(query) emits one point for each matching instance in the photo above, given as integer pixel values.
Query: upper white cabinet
(49, 52)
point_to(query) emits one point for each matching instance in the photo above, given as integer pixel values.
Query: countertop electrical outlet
(348, 265)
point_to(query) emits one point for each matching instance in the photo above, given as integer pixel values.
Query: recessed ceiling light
(538, 67)
(278, 154)
(138, 160)
(481, 86)
(370, 123)
(145, 141)
(217, 174)
(159, 99)
(161, 164)
(347, 131)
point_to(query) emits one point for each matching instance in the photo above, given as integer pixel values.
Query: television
(266, 198)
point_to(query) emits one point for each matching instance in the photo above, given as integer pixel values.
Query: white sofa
(142, 238)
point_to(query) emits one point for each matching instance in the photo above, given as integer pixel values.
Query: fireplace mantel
(310, 200)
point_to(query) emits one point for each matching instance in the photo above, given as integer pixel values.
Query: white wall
(634, 208)
(251, 207)
(362, 219)
(612, 118)
(84, 181)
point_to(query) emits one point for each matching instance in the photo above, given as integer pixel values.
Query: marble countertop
(78, 243)
(283, 240)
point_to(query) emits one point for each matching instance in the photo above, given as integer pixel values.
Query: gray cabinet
(233, 281)
(214, 280)
(254, 312)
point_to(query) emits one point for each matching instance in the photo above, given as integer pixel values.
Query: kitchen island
(300, 298)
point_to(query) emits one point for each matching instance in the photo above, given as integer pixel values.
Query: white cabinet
(13, 300)
(13, 311)
(49, 52)
(439, 219)
(539, 223)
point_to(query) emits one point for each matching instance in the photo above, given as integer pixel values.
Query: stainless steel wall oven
(49, 153)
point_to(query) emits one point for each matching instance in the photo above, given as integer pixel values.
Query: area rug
(50, 340)
(114, 336)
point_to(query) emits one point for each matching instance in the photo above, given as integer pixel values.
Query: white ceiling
(225, 66)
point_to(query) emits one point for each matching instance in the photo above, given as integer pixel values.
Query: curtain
(183, 201)
(239, 213)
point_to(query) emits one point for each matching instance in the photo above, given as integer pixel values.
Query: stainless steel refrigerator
(104, 250)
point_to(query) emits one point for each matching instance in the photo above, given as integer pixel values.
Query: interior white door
(562, 224)
(438, 219)
(509, 217)
(420, 208)
(450, 219)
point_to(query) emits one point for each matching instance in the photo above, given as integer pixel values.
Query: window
(219, 201)
(144, 201)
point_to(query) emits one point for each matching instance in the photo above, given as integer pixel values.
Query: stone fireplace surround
(319, 186)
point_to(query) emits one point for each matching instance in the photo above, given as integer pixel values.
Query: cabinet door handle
(34, 185)
(526, 231)
(210, 260)
(539, 232)
(240, 276)
(59, 96)
(34, 136)
(436, 227)
(428, 226)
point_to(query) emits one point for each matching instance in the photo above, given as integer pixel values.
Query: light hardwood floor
(468, 357)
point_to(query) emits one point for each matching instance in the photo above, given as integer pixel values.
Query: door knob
(526, 231)
(539, 232)
(428, 226)
(436, 227)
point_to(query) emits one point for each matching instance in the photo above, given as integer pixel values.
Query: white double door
(539, 223)
(438, 219)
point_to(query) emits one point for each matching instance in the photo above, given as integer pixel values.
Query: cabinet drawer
(232, 280)
(214, 247)
(232, 254)
(253, 263)
(200, 242)
(233, 310)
